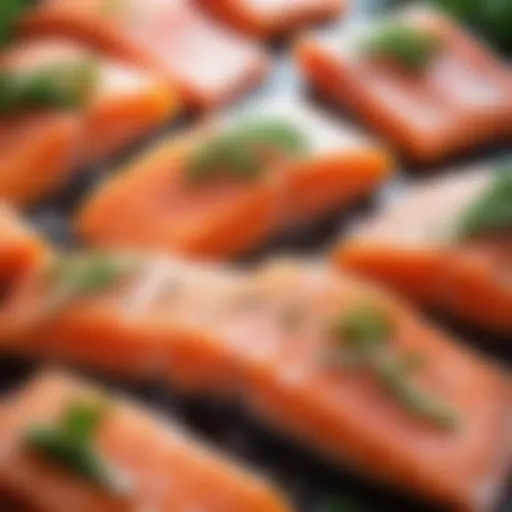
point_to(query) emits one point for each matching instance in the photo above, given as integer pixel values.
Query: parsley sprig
(59, 85)
(409, 47)
(491, 212)
(69, 444)
(362, 339)
(245, 150)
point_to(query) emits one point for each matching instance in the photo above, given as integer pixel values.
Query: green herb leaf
(492, 211)
(63, 85)
(407, 46)
(362, 336)
(71, 453)
(364, 326)
(272, 133)
(70, 444)
(86, 274)
(395, 380)
(83, 418)
(10, 13)
(245, 151)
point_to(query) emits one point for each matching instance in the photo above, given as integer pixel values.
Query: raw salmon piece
(42, 148)
(269, 18)
(38, 153)
(165, 302)
(128, 104)
(20, 249)
(268, 338)
(223, 217)
(462, 99)
(164, 468)
(207, 63)
(343, 414)
(408, 247)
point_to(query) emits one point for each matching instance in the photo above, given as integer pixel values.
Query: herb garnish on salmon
(89, 273)
(406, 46)
(491, 212)
(63, 85)
(69, 443)
(10, 12)
(244, 151)
(77, 276)
(362, 342)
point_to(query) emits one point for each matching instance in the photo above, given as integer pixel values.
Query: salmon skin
(43, 144)
(330, 361)
(207, 63)
(159, 466)
(460, 99)
(237, 205)
(21, 250)
(409, 247)
(275, 17)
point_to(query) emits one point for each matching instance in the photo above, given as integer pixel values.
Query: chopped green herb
(85, 274)
(69, 444)
(407, 46)
(244, 151)
(393, 377)
(82, 419)
(362, 343)
(364, 326)
(63, 85)
(491, 212)
(10, 12)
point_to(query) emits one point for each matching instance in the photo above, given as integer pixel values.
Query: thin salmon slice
(43, 147)
(227, 215)
(460, 100)
(39, 150)
(268, 337)
(207, 63)
(270, 18)
(163, 468)
(409, 248)
(21, 250)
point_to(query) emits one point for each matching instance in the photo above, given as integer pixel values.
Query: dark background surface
(311, 483)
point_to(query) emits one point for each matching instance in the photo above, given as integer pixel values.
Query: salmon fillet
(207, 63)
(21, 250)
(164, 469)
(270, 18)
(268, 337)
(408, 248)
(461, 98)
(43, 147)
(228, 214)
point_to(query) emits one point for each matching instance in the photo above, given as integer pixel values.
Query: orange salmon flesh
(270, 18)
(152, 204)
(461, 100)
(407, 248)
(205, 62)
(164, 468)
(21, 250)
(266, 337)
(42, 149)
